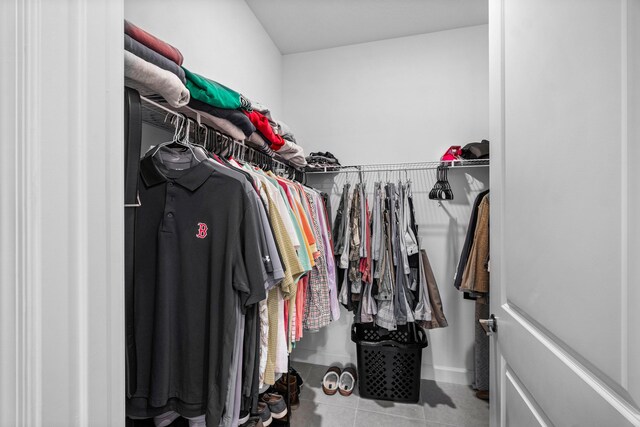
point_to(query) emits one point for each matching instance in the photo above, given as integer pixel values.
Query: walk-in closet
(251, 213)
(371, 325)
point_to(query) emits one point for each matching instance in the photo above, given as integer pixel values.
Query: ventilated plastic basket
(389, 362)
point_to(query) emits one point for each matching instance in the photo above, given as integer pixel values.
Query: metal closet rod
(399, 167)
(243, 147)
(160, 106)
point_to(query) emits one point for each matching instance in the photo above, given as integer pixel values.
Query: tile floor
(441, 404)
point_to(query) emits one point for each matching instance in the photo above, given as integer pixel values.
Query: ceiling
(304, 25)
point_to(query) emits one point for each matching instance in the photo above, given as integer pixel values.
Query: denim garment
(338, 223)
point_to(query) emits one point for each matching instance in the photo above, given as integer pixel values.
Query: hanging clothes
(472, 277)
(385, 278)
(438, 320)
(250, 291)
(466, 248)
(318, 307)
(481, 347)
(475, 277)
(180, 276)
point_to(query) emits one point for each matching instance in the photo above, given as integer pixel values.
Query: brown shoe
(294, 400)
(330, 380)
(277, 405)
(483, 394)
(294, 388)
(253, 422)
(348, 380)
(281, 385)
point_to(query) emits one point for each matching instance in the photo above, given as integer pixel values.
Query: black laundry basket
(389, 362)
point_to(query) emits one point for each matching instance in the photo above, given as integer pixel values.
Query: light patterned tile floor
(441, 404)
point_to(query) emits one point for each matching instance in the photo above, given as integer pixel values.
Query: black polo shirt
(195, 247)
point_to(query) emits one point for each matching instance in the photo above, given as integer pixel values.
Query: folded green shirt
(213, 93)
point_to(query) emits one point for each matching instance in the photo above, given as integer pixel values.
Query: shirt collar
(192, 179)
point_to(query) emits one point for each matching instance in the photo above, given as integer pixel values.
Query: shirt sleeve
(329, 258)
(288, 222)
(249, 275)
(277, 271)
(261, 233)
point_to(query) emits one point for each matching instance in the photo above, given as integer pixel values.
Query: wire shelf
(156, 112)
(391, 167)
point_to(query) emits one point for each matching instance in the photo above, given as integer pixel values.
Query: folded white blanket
(161, 81)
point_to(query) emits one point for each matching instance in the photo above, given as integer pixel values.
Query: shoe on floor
(331, 380)
(348, 380)
(483, 394)
(244, 417)
(264, 413)
(277, 405)
(253, 422)
(295, 383)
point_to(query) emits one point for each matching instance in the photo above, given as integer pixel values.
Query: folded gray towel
(141, 51)
(223, 125)
(161, 81)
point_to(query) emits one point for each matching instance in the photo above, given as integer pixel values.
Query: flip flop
(348, 380)
(330, 381)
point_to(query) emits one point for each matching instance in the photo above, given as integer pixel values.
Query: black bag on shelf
(476, 150)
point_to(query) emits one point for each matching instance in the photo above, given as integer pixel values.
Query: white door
(565, 212)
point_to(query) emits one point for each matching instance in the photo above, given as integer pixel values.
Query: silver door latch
(489, 325)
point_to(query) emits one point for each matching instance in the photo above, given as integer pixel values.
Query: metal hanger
(178, 121)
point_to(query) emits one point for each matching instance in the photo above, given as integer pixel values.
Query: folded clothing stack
(290, 151)
(293, 153)
(261, 122)
(213, 93)
(321, 160)
(153, 66)
(231, 122)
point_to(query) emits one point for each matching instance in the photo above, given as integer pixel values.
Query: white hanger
(177, 122)
(178, 138)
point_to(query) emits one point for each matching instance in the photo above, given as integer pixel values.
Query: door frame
(61, 213)
(496, 179)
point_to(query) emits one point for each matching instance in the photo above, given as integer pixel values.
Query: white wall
(400, 100)
(397, 100)
(220, 39)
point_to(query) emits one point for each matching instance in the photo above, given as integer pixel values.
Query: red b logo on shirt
(202, 230)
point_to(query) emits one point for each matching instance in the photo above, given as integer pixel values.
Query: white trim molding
(61, 213)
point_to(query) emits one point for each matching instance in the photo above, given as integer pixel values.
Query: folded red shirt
(153, 43)
(261, 123)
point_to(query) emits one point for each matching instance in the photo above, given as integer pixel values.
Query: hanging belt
(132, 141)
